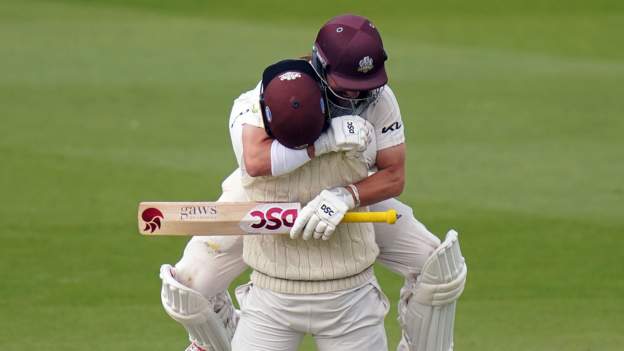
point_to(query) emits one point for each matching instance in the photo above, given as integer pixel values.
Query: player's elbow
(253, 172)
(397, 184)
(255, 167)
(396, 181)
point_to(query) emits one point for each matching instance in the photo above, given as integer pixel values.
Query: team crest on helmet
(290, 76)
(366, 64)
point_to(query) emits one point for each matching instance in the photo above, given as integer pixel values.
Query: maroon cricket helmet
(292, 101)
(351, 52)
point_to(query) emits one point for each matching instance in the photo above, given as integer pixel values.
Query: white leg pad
(210, 322)
(427, 305)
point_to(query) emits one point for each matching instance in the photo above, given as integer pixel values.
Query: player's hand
(319, 218)
(368, 156)
(346, 133)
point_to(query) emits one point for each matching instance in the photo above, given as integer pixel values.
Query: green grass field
(514, 115)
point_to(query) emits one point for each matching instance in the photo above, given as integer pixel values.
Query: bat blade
(215, 218)
(232, 218)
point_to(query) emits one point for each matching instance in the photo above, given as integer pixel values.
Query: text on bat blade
(197, 212)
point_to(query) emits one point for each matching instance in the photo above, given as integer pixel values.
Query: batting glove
(319, 218)
(344, 134)
(368, 156)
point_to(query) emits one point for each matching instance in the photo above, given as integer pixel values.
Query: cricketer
(327, 132)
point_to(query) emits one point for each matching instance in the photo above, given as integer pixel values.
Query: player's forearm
(256, 151)
(389, 180)
(263, 156)
(383, 185)
(274, 160)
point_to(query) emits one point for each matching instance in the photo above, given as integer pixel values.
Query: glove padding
(345, 133)
(368, 156)
(320, 216)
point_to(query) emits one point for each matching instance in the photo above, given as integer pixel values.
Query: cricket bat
(231, 218)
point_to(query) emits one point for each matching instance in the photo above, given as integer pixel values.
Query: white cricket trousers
(348, 320)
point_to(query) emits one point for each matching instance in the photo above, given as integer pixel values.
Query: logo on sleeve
(394, 126)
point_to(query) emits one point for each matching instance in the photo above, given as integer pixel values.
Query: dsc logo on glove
(350, 127)
(328, 210)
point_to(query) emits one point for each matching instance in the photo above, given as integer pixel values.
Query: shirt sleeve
(246, 110)
(386, 117)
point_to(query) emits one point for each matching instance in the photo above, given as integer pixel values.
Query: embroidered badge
(366, 64)
(290, 76)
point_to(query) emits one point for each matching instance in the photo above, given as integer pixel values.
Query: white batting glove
(345, 133)
(368, 156)
(319, 218)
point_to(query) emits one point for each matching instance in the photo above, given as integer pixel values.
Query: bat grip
(389, 216)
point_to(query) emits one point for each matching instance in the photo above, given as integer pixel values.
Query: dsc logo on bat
(273, 218)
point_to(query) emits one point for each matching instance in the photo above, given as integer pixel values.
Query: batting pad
(427, 307)
(197, 314)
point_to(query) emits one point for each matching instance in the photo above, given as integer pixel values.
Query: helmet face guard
(340, 105)
(348, 55)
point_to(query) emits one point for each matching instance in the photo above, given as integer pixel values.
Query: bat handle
(389, 216)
